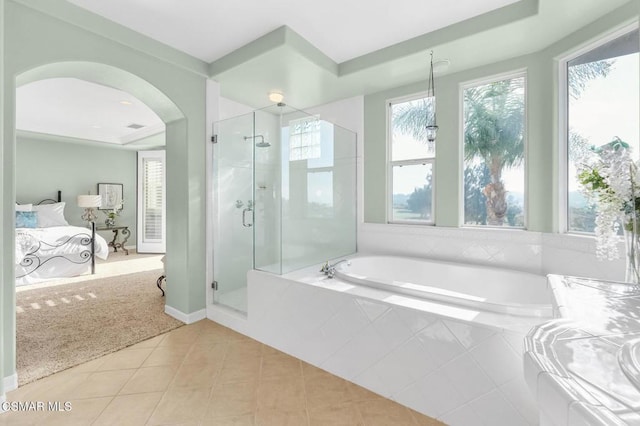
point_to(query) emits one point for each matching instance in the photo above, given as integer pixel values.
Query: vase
(632, 246)
(109, 222)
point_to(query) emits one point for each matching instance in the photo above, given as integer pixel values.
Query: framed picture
(111, 194)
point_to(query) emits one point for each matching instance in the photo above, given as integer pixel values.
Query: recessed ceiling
(320, 52)
(306, 82)
(79, 109)
(341, 29)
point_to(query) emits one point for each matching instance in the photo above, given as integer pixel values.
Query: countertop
(584, 366)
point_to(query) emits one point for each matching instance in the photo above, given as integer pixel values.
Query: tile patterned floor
(205, 374)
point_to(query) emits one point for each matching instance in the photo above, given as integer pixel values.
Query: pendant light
(432, 127)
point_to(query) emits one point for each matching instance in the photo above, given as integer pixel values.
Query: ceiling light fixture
(441, 65)
(126, 102)
(275, 96)
(432, 127)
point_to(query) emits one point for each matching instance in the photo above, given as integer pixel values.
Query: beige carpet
(63, 326)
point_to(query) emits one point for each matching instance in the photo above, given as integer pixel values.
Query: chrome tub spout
(330, 269)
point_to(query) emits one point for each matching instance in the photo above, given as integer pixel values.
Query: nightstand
(117, 231)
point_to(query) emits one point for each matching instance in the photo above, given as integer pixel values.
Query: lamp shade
(89, 201)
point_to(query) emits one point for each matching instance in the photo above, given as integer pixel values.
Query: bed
(47, 247)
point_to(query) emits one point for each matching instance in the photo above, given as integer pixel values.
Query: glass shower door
(234, 226)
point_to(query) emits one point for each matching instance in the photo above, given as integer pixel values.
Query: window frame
(508, 75)
(562, 96)
(416, 161)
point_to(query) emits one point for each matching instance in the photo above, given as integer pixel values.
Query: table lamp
(89, 202)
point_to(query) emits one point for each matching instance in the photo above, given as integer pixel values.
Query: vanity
(583, 367)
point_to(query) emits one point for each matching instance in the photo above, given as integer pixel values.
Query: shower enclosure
(285, 196)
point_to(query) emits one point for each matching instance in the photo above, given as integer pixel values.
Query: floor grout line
(279, 367)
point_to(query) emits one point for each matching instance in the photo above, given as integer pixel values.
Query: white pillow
(50, 215)
(24, 207)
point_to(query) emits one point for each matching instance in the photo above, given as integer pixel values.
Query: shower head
(261, 144)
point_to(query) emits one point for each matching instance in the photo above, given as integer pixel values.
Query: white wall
(230, 109)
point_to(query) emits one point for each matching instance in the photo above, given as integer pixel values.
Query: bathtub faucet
(330, 269)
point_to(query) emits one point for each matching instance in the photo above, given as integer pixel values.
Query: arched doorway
(106, 75)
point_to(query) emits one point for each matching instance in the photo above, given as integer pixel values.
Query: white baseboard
(10, 383)
(185, 318)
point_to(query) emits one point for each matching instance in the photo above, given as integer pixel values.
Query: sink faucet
(330, 269)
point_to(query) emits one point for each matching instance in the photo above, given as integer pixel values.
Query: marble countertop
(584, 366)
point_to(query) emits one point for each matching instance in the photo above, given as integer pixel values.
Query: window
(411, 166)
(494, 154)
(304, 139)
(151, 200)
(602, 103)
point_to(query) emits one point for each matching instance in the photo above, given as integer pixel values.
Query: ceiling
(82, 110)
(313, 52)
(317, 52)
(307, 79)
(341, 29)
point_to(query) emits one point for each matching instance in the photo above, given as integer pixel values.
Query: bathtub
(478, 287)
(435, 357)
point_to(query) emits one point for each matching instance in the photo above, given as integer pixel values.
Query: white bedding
(55, 252)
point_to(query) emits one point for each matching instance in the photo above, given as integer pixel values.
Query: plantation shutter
(151, 203)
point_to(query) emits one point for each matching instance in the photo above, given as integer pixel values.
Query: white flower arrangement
(610, 179)
(115, 211)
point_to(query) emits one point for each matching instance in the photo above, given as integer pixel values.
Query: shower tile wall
(459, 372)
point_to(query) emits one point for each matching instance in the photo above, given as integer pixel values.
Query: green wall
(169, 83)
(45, 166)
(541, 132)
(7, 357)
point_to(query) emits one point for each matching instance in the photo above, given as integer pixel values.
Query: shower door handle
(244, 218)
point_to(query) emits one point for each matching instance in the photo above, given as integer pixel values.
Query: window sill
(411, 222)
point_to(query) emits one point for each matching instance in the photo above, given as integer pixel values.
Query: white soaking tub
(427, 352)
(478, 287)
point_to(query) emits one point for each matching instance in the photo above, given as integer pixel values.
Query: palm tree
(410, 118)
(494, 133)
(494, 118)
(581, 74)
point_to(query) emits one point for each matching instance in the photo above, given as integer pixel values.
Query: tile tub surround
(536, 252)
(487, 288)
(461, 366)
(584, 366)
